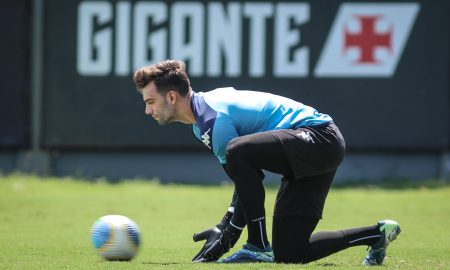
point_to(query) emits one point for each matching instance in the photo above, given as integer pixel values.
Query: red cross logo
(367, 39)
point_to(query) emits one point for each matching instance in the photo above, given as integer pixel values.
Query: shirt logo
(206, 139)
(367, 40)
(306, 136)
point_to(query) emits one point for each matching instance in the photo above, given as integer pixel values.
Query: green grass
(44, 223)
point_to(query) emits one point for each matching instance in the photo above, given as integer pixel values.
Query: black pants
(307, 158)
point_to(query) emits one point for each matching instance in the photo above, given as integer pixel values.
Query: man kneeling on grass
(249, 132)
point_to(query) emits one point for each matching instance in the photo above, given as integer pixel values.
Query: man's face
(158, 106)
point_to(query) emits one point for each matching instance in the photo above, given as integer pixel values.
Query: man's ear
(172, 97)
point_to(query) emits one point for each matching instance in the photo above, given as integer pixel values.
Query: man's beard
(162, 122)
(167, 118)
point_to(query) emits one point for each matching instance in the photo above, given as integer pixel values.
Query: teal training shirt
(226, 113)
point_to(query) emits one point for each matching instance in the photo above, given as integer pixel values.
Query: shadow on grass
(327, 264)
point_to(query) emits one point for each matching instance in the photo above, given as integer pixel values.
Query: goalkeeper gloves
(221, 246)
(211, 235)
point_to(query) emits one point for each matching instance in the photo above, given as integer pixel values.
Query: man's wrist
(225, 220)
(230, 236)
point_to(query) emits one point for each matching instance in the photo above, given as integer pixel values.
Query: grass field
(44, 223)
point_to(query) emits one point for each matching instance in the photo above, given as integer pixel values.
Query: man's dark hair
(167, 75)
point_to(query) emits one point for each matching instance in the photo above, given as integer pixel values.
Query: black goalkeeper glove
(221, 246)
(211, 235)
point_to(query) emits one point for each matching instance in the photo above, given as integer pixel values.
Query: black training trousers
(307, 158)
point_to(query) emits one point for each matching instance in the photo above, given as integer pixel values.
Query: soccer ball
(115, 237)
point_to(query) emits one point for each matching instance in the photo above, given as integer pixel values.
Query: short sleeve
(224, 132)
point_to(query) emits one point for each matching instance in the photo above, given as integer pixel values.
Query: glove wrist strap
(225, 221)
(229, 237)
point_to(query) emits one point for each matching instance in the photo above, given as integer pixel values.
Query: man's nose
(148, 110)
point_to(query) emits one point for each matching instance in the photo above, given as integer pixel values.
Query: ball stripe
(101, 233)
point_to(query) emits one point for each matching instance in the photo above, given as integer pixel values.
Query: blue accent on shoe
(250, 253)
